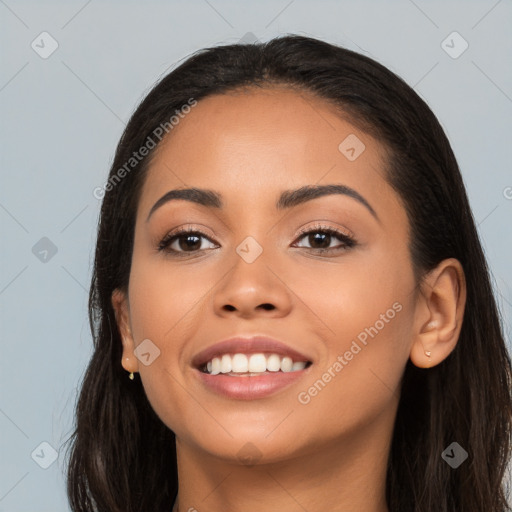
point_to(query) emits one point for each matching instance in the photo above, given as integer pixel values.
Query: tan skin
(331, 453)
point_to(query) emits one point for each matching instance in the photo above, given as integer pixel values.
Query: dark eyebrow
(291, 198)
(207, 198)
(287, 199)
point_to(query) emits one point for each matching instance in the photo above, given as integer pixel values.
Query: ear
(122, 311)
(439, 314)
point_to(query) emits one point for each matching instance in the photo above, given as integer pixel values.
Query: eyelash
(347, 241)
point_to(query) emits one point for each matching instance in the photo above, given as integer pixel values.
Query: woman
(290, 304)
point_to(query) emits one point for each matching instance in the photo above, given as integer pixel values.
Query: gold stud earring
(130, 376)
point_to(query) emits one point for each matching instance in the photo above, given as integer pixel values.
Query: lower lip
(250, 388)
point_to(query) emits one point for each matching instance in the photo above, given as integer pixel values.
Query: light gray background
(61, 120)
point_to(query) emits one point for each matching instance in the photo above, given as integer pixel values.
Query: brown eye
(320, 239)
(185, 241)
(189, 242)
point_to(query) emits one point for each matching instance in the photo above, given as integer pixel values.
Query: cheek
(166, 307)
(360, 379)
(163, 297)
(360, 294)
(367, 312)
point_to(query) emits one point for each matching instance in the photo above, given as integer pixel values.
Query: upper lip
(247, 345)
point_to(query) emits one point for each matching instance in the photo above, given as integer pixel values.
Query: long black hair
(122, 457)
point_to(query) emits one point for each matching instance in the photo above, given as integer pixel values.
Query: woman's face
(344, 302)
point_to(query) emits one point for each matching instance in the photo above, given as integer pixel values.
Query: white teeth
(239, 363)
(225, 364)
(215, 366)
(286, 364)
(257, 363)
(273, 363)
(253, 364)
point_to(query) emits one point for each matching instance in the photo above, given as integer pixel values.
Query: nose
(253, 289)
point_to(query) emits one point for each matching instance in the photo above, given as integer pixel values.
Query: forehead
(250, 144)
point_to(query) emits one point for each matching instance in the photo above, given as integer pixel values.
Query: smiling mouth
(252, 365)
